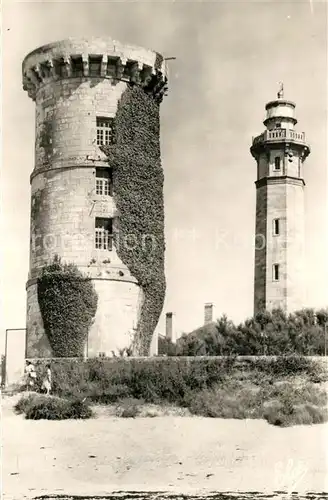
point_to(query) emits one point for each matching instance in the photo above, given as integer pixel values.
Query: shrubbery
(153, 380)
(282, 404)
(128, 408)
(268, 333)
(39, 407)
(283, 390)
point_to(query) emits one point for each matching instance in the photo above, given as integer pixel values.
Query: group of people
(31, 378)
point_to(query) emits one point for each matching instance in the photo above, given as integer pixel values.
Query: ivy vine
(138, 193)
(68, 304)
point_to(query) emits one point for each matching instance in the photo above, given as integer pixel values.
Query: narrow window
(103, 233)
(77, 66)
(276, 227)
(277, 163)
(104, 131)
(275, 272)
(104, 181)
(95, 65)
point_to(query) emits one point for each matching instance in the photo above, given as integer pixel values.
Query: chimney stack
(169, 327)
(208, 313)
(154, 345)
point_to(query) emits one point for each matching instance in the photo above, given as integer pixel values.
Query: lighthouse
(280, 153)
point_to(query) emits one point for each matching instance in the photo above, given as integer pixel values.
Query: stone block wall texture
(296, 298)
(283, 200)
(64, 203)
(260, 249)
(276, 291)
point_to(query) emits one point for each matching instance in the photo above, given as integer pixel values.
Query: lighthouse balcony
(278, 135)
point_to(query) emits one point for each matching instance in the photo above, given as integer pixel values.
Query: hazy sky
(230, 58)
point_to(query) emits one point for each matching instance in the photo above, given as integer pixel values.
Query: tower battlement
(94, 58)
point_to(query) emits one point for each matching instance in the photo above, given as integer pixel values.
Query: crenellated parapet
(99, 58)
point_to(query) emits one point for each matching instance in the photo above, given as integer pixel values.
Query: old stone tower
(279, 152)
(76, 85)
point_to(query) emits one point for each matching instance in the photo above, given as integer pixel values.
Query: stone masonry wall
(281, 199)
(66, 113)
(111, 330)
(63, 212)
(296, 298)
(260, 249)
(276, 291)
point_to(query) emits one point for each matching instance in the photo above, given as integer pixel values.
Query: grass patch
(40, 407)
(129, 408)
(281, 403)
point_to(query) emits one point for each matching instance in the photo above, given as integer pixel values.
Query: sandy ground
(186, 454)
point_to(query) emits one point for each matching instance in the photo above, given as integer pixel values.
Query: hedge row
(167, 379)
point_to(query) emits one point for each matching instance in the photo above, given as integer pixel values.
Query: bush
(24, 403)
(233, 400)
(282, 404)
(154, 380)
(38, 407)
(283, 415)
(166, 379)
(215, 387)
(283, 366)
(267, 333)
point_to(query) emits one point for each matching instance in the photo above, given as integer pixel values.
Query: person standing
(46, 384)
(30, 375)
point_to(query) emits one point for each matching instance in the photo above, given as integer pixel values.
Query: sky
(230, 58)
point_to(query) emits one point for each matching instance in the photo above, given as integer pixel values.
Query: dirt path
(184, 454)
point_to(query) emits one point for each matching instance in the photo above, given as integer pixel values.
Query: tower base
(112, 328)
